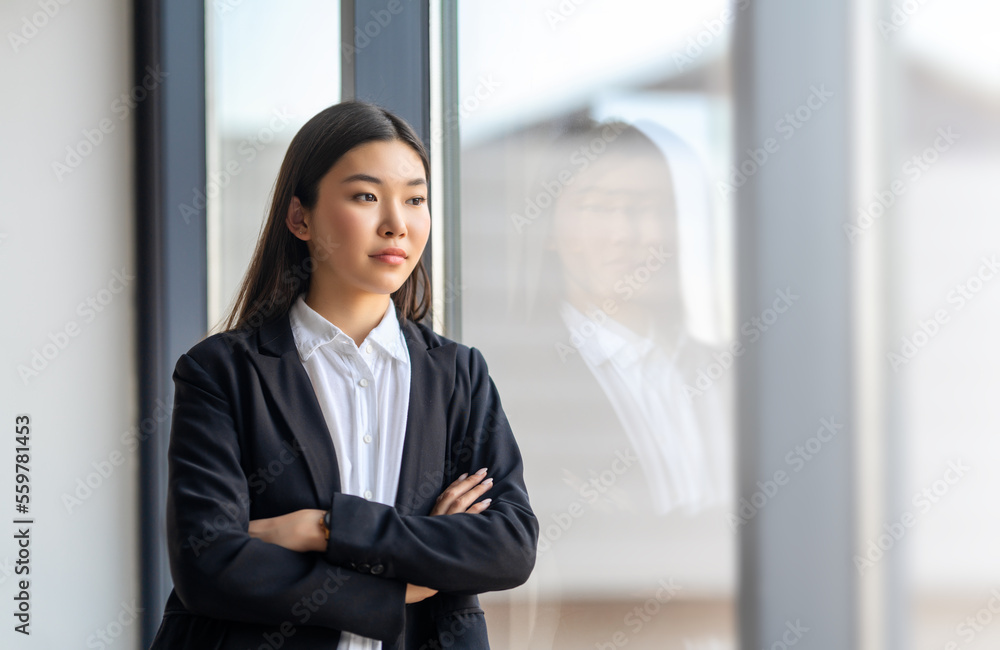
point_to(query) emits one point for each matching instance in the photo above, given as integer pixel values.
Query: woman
(599, 349)
(328, 452)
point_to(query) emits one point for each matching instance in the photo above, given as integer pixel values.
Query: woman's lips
(389, 259)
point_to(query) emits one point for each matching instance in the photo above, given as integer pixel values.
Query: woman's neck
(355, 314)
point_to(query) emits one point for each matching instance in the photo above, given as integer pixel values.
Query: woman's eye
(365, 196)
(418, 200)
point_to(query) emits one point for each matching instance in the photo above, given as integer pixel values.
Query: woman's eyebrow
(378, 181)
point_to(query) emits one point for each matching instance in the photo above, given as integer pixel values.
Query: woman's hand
(296, 531)
(416, 593)
(461, 495)
(301, 530)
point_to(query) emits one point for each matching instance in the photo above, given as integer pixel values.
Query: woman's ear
(297, 219)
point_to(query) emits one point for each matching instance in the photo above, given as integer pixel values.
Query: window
(268, 72)
(597, 279)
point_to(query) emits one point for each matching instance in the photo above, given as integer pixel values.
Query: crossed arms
(273, 571)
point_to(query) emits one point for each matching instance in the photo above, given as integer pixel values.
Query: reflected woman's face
(612, 227)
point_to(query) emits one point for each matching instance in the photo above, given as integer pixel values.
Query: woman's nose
(393, 224)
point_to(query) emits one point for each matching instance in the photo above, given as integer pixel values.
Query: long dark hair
(281, 266)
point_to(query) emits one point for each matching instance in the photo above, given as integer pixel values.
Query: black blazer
(248, 440)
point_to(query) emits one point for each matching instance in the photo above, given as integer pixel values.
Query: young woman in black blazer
(266, 550)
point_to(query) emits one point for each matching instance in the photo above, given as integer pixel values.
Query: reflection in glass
(596, 279)
(607, 250)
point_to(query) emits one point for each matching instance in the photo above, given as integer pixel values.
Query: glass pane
(942, 354)
(269, 71)
(597, 281)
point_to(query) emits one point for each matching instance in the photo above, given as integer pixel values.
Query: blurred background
(731, 264)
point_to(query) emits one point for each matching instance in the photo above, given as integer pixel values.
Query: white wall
(63, 238)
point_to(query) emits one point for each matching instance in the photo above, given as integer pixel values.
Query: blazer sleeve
(217, 568)
(463, 553)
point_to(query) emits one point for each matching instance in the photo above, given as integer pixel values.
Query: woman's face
(374, 198)
(613, 226)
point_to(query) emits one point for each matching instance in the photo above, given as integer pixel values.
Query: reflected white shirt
(685, 464)
(363, 392)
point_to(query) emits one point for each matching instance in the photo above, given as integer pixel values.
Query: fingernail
(488, 481)
(463, 476)
(487, 501)
(481, 472)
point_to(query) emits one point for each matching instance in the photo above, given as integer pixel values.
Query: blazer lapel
(432, 379)
(432, 373)
(284, 377)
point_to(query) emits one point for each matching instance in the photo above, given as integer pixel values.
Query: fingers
(462, 494)
(476, 508)
(416, 593)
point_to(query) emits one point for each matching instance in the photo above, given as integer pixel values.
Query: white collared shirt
(684, 460)
(364, 395)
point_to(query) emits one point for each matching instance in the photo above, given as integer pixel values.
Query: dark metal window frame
(171, 253)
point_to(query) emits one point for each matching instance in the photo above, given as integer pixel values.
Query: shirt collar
(600, 342)
(311, 331)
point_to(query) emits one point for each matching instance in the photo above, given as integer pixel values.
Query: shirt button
(368, 494)
(367, 438)
(368, 348)
(363, 382)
